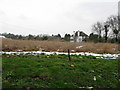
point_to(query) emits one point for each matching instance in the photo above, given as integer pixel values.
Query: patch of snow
(94, 78)
(19, 50)
(60, 50)
(41, 50)
(86, 87)
(114, 49)
(79, 47)
(104, 56)
(72, 50)
(89, 87)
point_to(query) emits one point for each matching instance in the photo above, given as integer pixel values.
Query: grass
(55, 71)
(60, 46)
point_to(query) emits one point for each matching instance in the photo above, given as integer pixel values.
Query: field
(56, 71)
(41, 70)
(59, 46)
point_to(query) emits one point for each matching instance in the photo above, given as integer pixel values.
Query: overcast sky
(53, 16)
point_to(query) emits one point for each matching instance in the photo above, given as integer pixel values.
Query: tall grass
(60, 46)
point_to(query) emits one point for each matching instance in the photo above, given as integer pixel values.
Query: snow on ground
(105, 56)
(79, 47)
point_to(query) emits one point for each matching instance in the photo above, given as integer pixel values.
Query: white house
(78, 36)
(2, 36)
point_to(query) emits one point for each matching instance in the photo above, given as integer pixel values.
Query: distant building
(2, 36)
(78, 36)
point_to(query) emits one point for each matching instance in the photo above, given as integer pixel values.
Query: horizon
(40, 34)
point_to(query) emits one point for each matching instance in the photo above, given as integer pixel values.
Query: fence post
(69, 55)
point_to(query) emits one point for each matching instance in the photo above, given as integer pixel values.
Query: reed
(60, 46)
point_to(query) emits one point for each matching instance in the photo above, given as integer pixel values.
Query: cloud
(23, 17)
(54, 16)
(2, 13)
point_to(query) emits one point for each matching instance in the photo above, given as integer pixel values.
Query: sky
(53, 16)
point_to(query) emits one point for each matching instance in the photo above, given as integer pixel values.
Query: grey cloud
(23, 17)
(2, 13)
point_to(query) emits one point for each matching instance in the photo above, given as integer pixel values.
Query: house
(78, 36)
(2, 36)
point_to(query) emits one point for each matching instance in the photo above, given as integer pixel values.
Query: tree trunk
(116, 38)
(106, 36)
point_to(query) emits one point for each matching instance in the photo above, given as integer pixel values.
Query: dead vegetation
(60, 46)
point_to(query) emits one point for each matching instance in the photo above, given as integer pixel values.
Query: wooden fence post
(69, 55)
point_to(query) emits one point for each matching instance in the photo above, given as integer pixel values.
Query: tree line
(32, 37)
(38, 37)
(107, 31)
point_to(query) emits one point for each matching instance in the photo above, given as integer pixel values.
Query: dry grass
(31, 45)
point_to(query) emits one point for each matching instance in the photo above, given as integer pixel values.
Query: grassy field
(56, 71)
(60, 46)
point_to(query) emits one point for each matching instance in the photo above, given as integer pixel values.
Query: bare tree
(106, 29)
(114, 25)
(98, 28)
